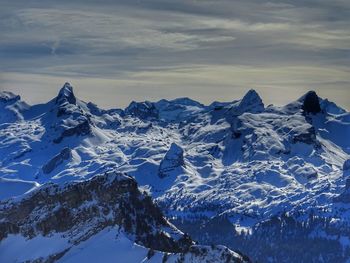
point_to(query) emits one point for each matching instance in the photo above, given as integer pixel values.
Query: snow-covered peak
(11, 107)
(8, 97)
(331, 108)
(142, 110)
(184, 101)
(251, 102)
(66, 95)
(176, 110)
(250, 163)
(308, 103)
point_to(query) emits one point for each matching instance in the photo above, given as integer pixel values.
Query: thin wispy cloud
(176, 48)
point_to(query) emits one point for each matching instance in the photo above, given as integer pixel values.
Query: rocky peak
(251, 102)
(8, 97)
(311, 103)
(73, 119)
(66, 95)
(142, 110)
(11, 107)
(173, 159)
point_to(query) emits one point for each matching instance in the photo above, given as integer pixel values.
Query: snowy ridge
(235, 162)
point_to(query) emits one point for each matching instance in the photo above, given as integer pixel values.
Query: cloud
(179, 46)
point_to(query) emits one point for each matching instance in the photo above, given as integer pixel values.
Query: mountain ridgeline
(271, 182)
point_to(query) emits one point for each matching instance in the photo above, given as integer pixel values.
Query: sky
(116, 51)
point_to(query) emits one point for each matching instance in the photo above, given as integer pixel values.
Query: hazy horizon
(114, 52)
(80, 94)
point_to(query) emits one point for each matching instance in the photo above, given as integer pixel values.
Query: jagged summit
(66, 95)
(8, 97)
(11, 107)
(311, 103)
(251, 102)
(143, 110)
(185, 101)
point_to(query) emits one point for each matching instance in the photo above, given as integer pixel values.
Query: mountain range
(174, 181)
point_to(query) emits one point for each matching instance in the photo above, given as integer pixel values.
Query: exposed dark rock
(82, 128)
(308, 137)
(22, 153)
(214, 151)
(66, 95)
(346, 165)
(58, 159)
(142, 110)
(251, 102)
(82, 209)
(311, 103)
(8, 97)
(173, 159)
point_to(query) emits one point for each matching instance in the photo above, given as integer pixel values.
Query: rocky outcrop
(72, 119)
(58, 159)
(142, 110)
(66, 95)
(80, 210)
(346, 165)
(251, 102)
(11, 107)
(311, 103)
(344, 197)
(174, 158)
(8, 97)
(308, 136)
(82, 128)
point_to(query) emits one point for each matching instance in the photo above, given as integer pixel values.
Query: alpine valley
(174, 181)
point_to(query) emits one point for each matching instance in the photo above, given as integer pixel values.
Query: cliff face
(79, 211)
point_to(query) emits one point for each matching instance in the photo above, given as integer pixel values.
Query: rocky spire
(311, 103)
(173, 159)
(66, 95)
(251, 102)
(8, 97)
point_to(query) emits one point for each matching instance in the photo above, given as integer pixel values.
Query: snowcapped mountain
(268, 181)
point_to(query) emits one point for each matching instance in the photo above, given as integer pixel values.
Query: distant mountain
(271, 181)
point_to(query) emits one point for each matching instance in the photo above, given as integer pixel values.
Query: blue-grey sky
(115, 51)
